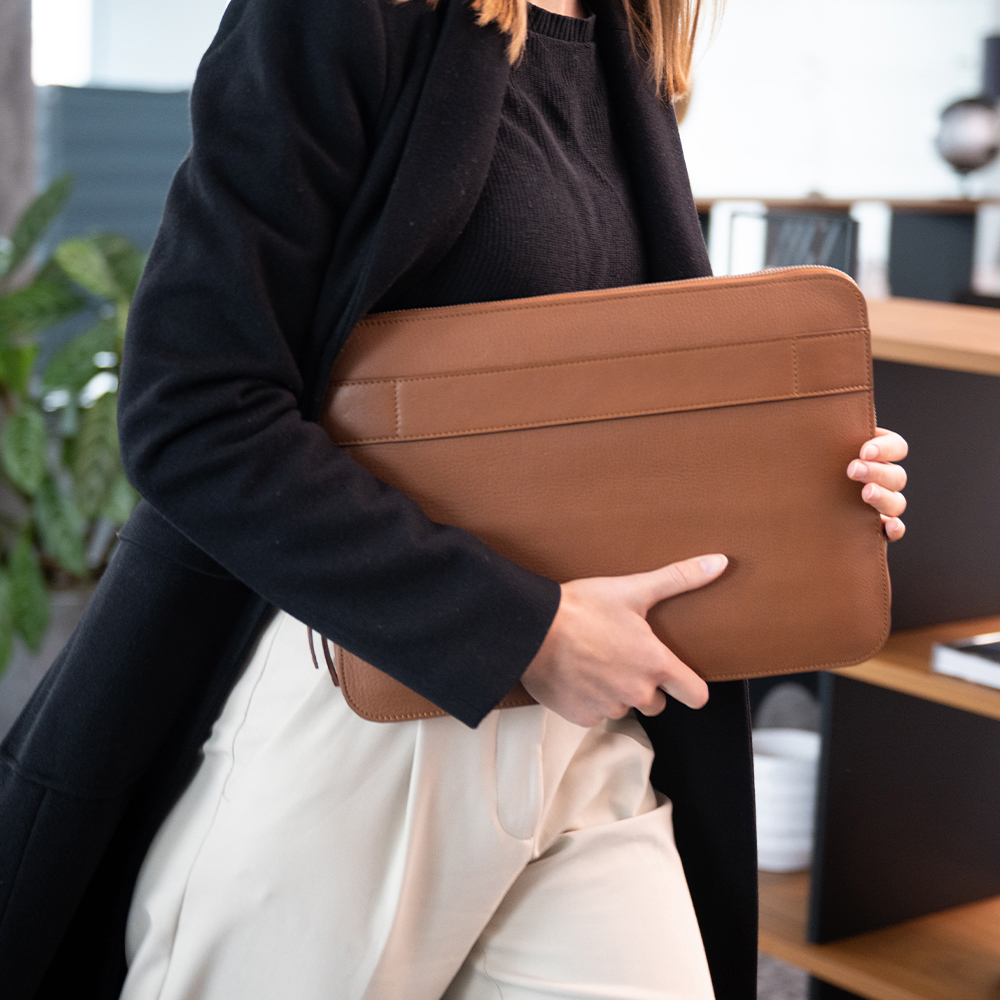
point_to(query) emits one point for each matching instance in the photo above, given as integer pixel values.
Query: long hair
(663, 30)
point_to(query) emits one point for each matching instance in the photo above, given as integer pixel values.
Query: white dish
(786, 762)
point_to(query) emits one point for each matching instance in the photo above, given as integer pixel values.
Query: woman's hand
(885, 480)
(601, 658)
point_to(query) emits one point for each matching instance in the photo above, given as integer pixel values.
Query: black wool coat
(340, 147)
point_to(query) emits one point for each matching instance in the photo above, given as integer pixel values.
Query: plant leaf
(84, 262)
(125, 262)
(29, 595)
(60, 526)
(6, 621)
(95, 455)
(43, 303)
(33, 223)
(16, 365)
(72, 366)
(23, 443)
(121, 501)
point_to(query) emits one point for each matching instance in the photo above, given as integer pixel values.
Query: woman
(355, 155)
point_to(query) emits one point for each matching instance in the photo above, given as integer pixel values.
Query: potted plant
(63, 493)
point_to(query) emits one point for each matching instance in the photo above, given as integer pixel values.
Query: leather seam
(886, 592)
(795, 363)
(597, 417)
(357, 709)
(399, 420)
(480, 372)
(851, 661)
(342, 657)
(633, 291)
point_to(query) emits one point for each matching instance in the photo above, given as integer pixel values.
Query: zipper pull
(326, 653)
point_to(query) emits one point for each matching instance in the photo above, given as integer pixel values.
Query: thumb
(647, 589)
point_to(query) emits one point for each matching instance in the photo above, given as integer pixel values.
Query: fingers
(688, 690)
(886, 446)
(643, 590)
(883, 479)
(656, 703)
(894, 528)
(884, 501)
(676, 679)
(892, 477)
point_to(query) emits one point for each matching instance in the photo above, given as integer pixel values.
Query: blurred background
(861, 134)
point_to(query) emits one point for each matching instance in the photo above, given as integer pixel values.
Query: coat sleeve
(284, 113)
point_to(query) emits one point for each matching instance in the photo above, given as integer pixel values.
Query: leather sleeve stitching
(587, 418)
(634, 291)
(589, 361)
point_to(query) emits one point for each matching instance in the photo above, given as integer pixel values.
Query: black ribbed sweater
(556, 213)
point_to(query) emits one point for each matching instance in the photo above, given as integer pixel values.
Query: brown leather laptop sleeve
(609, 432)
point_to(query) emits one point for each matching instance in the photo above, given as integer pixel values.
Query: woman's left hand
(883, 478)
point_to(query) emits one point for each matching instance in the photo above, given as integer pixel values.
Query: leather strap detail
(671, 381)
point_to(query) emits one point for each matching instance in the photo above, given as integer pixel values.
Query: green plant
(62, 490)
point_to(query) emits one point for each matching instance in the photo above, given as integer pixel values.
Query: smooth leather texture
(608, 432)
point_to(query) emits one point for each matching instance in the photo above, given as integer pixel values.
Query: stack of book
(975, 659)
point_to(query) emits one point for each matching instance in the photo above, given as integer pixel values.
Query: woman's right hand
(600, 657)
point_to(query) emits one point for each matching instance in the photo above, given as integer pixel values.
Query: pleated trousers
(319, 856)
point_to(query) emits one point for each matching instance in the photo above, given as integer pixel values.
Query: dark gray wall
(122, 146)
(930, 255)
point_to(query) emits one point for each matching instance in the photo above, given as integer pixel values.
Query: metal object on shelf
(969, 135)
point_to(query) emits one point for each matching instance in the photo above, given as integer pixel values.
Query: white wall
(791, 96)
(151, 44)
(836, 96)
(61, 42)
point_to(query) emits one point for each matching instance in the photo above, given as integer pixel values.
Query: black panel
(947, 566)
(930, 255)
(827, 238)
(909, 809)
(122, 146)
(991, 67)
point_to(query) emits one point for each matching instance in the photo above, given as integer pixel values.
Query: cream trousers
(317, 856)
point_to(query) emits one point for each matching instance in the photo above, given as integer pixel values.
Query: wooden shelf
(951, 955)
(904, 665)
(936, 334)
(947, 206)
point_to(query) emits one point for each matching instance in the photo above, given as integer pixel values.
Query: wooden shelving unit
(904, 665)
(948, 206)
(936, 334)
(952, 955)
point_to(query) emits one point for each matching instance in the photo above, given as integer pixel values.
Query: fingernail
(870, 492)
(713, 564)
(857, 470)
(870, 452)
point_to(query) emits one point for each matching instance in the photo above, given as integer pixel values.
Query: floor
(777, 980)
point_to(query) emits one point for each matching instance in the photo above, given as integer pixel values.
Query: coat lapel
(447, 155)
(441, 171)
(647, 129)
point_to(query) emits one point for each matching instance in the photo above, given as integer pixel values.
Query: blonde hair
(663, 30)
